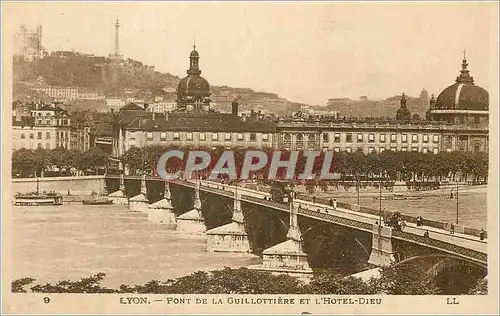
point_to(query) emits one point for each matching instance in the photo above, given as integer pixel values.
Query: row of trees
(395, 166)
(29, 162)
(394, 280)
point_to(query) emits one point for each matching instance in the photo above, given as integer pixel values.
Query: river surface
(73, 241)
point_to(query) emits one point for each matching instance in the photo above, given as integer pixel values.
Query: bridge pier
(139, 203)
(231, 237)
(288, 257)
(192, 222)
(119, 197)
(382, 253)
(161, 212)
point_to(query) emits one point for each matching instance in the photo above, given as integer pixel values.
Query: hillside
(139, 80)
(385, 108)
(135, 79)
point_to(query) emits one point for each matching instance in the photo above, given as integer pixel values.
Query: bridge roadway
(462, 245)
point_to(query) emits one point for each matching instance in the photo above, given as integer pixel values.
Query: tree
(404, 279)
(329, 283)
(93, 158)
(24, 162)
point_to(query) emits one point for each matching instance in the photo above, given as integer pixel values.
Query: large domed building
(461, 103)
(463, 108)
(193, 91)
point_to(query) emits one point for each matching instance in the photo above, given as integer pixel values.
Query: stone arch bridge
(292, 238)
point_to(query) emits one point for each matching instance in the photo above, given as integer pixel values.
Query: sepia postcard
(250, 157)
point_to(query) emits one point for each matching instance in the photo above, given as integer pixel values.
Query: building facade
(47, 127)
(461, 125)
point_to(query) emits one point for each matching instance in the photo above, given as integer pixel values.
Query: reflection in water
(74, 241)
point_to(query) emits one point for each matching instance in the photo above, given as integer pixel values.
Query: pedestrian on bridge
(481, 234)
(420, 221)
(426, 234)
(452, 229)
(334, 204)
(314, 199)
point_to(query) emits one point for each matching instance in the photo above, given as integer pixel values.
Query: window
(382, 149)
(189, 136)
(39, 122)
(414, 149)
(39, 145)
(348, 150)
(163, 136)
(382, 138)
(425, 150)
(300, 137)
(240, 136)
(311, 137)
(265, 137)
(202, 136)
(132, 136)
(253, 137)
(348, 138)
(325, 137)
(176, 136)
(393, 138)
(393, 148)
(370, 150)
(477, 120)
(360, 138)
(371, 138)
(47, 146)
(22, 136)
(39, 136)
(215, 136)
(336, 137)
(149, 135)
(435, 138)
(404, 149)
(336, 149)
(414, 138)
(47, 135)
(360, 149)
(32, 136)
(435, 150)
(227, 136)
(404, 138)
(425, 138)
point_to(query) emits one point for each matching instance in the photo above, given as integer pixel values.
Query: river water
(73, 241)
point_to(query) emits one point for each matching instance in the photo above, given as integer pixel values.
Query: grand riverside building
(458, 121)
(193, 123)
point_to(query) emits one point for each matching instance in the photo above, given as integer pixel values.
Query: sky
(305, 52)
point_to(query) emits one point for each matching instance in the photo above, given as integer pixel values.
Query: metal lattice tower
(117, 39)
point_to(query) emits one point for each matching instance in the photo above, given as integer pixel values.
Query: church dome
(193, 87)
(463, 94)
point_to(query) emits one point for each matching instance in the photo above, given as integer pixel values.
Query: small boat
(37, 198)
(97, 201)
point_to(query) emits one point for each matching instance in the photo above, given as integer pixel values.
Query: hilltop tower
(116, 47)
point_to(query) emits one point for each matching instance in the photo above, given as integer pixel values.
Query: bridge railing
(435, 243)
(410, 219)
(320, 202)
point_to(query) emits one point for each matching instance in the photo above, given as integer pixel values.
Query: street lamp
(457, 202)
(380, 200)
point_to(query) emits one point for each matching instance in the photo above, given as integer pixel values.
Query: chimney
(234, 108)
